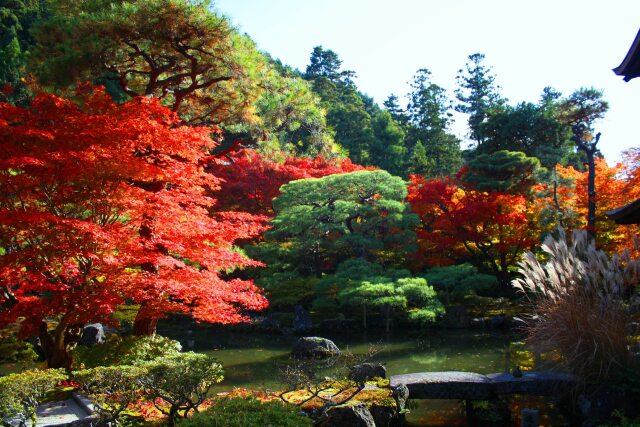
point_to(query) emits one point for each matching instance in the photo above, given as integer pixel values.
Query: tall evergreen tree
(388, 149)
(429, 107)
(397, 113)
(349, 112)
(581, 110)
(534, 129)
(418, 162)
(477, 93)
(429, 114)
(324, 63)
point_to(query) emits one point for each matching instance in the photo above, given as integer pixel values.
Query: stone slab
(445, 385)
(60, 412)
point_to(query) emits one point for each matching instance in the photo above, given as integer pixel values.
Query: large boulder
(366, 371)
(93, 334)
(315, 348)
(347, 415)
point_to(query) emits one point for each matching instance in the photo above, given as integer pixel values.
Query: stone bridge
(472, 386)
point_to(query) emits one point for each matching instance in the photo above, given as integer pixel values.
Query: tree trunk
(145, 322)
(57, 347)
(581, 133)
(505, 280)
(559, 212)
(173, 414)
(386, 309)
(505, 277)
(591, 191)
(364, 316)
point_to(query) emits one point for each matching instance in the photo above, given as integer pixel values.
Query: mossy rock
(315, 348)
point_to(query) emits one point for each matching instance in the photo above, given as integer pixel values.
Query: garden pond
(253, 360)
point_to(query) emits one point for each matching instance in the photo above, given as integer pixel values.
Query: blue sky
(565, 44)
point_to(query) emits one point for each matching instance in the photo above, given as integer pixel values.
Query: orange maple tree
(104, 204)
(492, 228)
(615, 186)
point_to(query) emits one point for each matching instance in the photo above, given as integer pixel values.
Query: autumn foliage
(615, 186)
(458, 223)
(104, 204)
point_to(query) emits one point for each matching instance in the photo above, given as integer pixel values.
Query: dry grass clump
(580, 298)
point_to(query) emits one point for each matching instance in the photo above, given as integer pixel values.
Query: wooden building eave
(630, 66)
(627, 214)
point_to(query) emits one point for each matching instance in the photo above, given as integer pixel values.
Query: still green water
(252, 361)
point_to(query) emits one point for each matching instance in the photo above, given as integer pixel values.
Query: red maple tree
(460, 223)
(104, 204)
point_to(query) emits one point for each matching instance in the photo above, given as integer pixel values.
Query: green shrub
(20, 394)
(408, 298)
(248, 412)
(129, 350)
(183, 381)
(455, 282)
(348, 274)
(425, 316)
(13, 350)
(112, 388)
(366, 287)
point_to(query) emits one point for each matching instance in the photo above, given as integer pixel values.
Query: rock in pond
(347, 415)
(315, 348)
(366, 371)
(93, 334)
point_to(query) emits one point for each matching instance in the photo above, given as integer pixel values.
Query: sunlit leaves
(458, 223)
(111, 204)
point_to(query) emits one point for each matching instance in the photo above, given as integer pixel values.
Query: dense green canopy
(321, 222)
